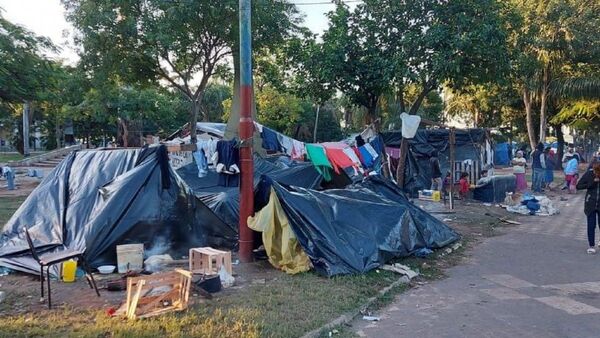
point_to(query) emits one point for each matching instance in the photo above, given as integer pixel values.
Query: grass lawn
(5, 157)
(8, 205)
(287, 306)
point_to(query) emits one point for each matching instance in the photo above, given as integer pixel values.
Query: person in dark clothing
(591, 181)
(549, 171)
(538, 163)
(436, 172)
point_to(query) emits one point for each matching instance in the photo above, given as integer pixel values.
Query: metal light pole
(246, 130)
(26, 107)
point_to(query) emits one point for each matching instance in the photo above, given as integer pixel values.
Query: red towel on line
(335, 154)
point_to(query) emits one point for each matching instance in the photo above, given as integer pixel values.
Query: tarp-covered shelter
(473, 150)
(94, 200)
(357, 229)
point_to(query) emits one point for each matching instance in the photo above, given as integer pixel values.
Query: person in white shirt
(519, 164)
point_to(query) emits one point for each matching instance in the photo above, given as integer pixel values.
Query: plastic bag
(227, 280)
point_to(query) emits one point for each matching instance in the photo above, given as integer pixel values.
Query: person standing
(464, 186)
(590, 181)
(549, 172)
(571, 167)
(436, 172)
(519, 164)
(538, 163)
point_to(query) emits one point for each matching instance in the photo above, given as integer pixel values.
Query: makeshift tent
(493, 189)
(472, 152)
(502, 154)
(94, 200)
(357, 229)
(281, 244)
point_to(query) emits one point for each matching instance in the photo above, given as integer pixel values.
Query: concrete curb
(349, 316)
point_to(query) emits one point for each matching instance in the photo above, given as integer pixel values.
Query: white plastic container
(106, 269)
(130, 257)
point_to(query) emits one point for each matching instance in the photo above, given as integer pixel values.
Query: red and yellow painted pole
(246, 131)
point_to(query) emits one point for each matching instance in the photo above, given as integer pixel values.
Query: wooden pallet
(208, 261)
(156, 294)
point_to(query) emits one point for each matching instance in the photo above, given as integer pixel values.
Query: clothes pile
(534, 205)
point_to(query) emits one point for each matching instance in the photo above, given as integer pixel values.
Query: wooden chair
(48, 260)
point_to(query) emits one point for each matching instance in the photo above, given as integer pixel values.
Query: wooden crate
(208, 261)
(156, 294)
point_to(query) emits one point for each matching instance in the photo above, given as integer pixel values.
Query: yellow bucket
(69, 269)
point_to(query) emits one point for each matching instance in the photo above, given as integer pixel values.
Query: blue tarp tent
(501, 156)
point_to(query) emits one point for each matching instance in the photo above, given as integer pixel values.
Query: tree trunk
(476, 119)
(560, 138)
(57, 133)
(125, 134)
(544, 102)
(400, 99)
(371, 112)
(316, 124)
(194, 118)
(528, 113)
(417, 104)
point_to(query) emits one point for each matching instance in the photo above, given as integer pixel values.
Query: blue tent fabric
(501, 156)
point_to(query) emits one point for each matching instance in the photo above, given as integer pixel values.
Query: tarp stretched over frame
(354, 230)
(95, 200)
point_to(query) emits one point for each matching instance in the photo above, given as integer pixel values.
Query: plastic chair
(51, 259)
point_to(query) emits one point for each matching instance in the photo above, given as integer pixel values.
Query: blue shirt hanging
(269, 140)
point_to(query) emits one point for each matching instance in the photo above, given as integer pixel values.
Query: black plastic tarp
(354, 230)
(95, 200)
(225, 201)
(470, 145)
(494, 189)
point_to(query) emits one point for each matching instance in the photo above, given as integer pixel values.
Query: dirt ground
(24, 185)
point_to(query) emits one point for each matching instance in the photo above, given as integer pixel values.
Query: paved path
(534, 281)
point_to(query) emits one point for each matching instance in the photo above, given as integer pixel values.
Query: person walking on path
(571, 173)
(436, 172)
(591, 181)
(538, 163)
(519, 163)
(550, 163)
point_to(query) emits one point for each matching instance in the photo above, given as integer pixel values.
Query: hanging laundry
(371, 150)
(393, 152)
(269, 140)
(298, 150)
(210, 149)
(368, 133)
(337, 157)
(377, 144)
(316, 154)
(359, 155)
(366, 156)
(258, 127)
(360, 141)
(287, 143)
(228, 163)
(352, 156)
(201, 162)
(357, 165)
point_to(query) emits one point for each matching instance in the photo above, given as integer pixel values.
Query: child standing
(570, 172)
(464, 186)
